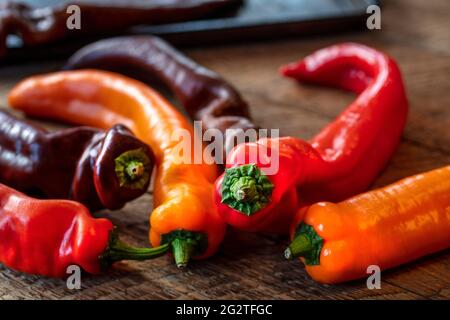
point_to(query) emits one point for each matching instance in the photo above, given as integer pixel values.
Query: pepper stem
(300, 246)
(118, 250)
(185, 245)
(246, 189)
(306, 244)
(182, 251)
(133, 169)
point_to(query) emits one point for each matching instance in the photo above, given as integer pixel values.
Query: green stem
(301, 246)
(133, 169)
(185, 245)
(118, 250)
(246, 189)
(182, 251)
(306, 244)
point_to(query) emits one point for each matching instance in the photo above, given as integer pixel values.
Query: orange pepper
(385, 227)
(184, 213)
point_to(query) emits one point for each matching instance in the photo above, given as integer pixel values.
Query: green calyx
(307, 244)
(246, 189)
(117, 250)
(185, 244)
(133, 169)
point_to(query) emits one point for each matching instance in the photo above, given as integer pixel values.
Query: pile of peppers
(128, 128)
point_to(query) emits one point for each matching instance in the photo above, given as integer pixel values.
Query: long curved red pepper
(44, 237)
(341, 161)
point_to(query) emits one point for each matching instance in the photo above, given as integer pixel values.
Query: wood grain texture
(250, 266)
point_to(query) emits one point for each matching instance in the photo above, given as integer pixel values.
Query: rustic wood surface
(250, 266)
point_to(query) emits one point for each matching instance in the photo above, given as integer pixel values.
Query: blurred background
(205, 23)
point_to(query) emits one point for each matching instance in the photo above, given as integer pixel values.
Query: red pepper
(341, 161)
(44, 237)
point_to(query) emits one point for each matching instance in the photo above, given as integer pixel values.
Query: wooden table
(250, 266)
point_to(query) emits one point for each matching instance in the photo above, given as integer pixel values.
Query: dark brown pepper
(41, 25)
(84, 164)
